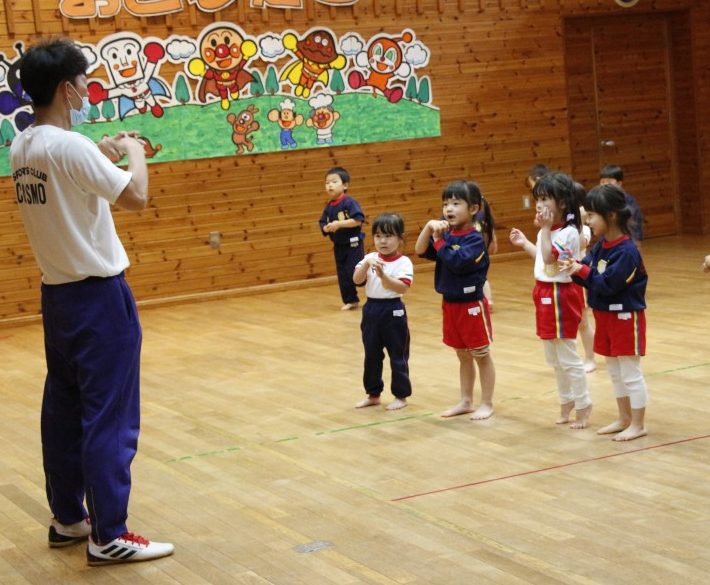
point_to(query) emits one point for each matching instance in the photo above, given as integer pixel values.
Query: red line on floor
(550, 468)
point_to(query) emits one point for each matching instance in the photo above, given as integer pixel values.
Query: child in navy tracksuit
(461, 256)
(341, 220)
(387, 276)
(615, 277)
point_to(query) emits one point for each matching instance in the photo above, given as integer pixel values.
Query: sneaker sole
(94, 561)
(56, 540)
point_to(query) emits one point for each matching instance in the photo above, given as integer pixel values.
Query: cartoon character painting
(224, 52)
(287, 120)
(384, 59)
(316, 53)
(322, 117)
(132, 69)
(15, 99)
(243, 124)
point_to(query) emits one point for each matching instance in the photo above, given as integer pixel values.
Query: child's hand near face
(544, 218)
(438, 227)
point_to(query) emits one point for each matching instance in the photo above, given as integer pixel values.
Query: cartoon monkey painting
(243, 124)
(287, 120)
(316, 53)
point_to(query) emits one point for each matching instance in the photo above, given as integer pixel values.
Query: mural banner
(145, 8)
(236, 94)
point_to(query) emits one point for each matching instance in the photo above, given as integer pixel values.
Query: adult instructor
(90, 411)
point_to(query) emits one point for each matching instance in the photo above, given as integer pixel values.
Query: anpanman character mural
(295, 90)
(224, 52)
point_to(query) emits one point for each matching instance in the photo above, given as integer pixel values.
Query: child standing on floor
(462, 262)
(479, 223)
(586, 331)
(387, 275)
(558, 302)
(615, 276)
(342, 219)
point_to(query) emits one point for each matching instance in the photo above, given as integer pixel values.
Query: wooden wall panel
(498, 75)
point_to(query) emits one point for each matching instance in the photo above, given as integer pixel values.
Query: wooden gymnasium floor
(254, 463)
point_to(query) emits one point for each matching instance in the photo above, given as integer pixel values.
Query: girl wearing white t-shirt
(387, 275)
(558, 302)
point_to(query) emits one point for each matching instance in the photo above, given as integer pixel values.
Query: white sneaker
(67, 534)
(127, 548)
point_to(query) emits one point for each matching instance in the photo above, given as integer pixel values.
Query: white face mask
(82, 114)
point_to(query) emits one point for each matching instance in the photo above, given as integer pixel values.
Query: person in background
(534, 174)
(342, 220)
(586, 330)
(614, 175)
(489, 235)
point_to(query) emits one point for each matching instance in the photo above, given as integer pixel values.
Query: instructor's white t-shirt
(63, 187)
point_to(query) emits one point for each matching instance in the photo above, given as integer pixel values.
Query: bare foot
(349, 306)
(483, 412)
(396, 404)
(615, 427)
(369, 401)
(565, 410)
(630, 433)
(582, 418)
(590, 366)
(462, 407)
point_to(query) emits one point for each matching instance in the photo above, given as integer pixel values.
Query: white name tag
(469, 289)
(354, 242)
(624, 316)
(546, 300)
(474, 311)
(616, 307)
(398, 313)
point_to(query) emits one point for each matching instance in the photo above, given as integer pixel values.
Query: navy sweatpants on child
(90, 410)
(384, 326)
(346, 258)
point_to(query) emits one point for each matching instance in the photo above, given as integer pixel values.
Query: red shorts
(558, 309)
(618, 334)
(467, 325)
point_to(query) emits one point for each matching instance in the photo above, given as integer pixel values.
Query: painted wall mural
(235, 94)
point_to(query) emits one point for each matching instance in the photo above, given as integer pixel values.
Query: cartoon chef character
(384, 59)
(316, 53)
(224, 51)
(132, 68)
(322, 117)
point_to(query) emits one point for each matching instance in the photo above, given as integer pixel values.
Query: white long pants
(627, 379)
(562, 355)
